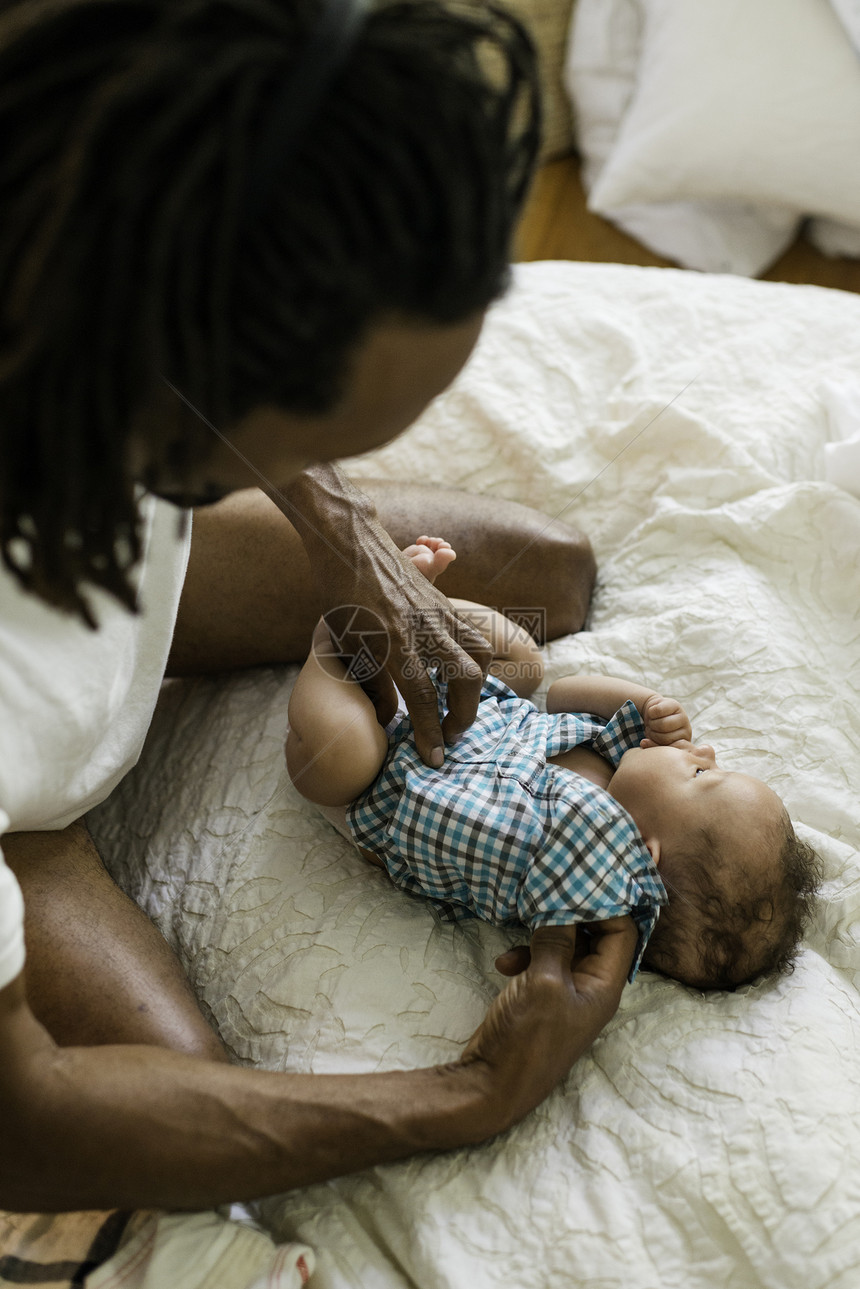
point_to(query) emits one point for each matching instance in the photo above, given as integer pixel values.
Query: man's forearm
(146, 1127)
(133, 1126)
(322, 501)
(250, 595)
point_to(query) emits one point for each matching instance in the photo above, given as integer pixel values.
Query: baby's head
(740, 883)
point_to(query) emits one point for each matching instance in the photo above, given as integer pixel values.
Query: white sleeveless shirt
(75, 704)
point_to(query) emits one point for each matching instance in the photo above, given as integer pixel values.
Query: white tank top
(75, 704)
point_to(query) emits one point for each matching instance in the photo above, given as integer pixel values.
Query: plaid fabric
(499, 834)
(60, 1250)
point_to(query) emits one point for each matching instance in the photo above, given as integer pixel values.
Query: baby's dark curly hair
(717, 933)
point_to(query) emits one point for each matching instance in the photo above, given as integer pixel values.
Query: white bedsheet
(705, 1140)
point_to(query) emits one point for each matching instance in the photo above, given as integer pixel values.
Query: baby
(601, 806)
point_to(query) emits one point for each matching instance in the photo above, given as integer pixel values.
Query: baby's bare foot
(431, 556)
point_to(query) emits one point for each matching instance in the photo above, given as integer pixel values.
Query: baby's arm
(665, 720)
(516, 657)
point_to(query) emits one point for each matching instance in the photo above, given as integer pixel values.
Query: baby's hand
(666, 722)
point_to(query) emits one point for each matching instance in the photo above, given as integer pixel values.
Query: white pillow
(828, 235)
(604, 49)
(848, 12)
(748, 108)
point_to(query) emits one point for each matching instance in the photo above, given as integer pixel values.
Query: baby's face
(675, 792)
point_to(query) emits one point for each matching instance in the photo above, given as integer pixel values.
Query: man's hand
(551, 1011)
(666, 722)
(387, 621)
(129, 1126)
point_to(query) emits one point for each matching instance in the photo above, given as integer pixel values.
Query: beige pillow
(547, 22)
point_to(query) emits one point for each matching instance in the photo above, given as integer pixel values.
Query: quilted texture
(704, 1140)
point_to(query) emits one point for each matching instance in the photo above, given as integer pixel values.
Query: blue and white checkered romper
(499, 834)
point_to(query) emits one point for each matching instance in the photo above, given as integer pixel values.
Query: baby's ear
(654, 850)
(765, 910)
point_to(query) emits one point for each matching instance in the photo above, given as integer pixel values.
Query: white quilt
(705, 1140)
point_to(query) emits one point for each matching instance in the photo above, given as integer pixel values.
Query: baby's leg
(335, 746)
(516, 658)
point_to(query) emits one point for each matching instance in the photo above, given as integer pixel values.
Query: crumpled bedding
(704, 1140)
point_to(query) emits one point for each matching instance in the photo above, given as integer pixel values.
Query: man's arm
(250, 596)
(355, 562)
(133, 1126)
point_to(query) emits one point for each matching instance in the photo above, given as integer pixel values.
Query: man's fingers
(545, 1018)
(463, 658)
(381, 692)
(604, 956)
(419, 695)
(553, 945)
(513, 961)
(359, 639)
(607, 947)
(613, 944)
(464, 694)
(465, 676)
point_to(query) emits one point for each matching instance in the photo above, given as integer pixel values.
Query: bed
(705, 1139)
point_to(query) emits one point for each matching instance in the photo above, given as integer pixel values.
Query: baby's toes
(442, 558)
(435, 543)
(431, 556)
(423, 558)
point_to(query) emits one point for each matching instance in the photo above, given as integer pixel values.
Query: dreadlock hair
(127, 260)
(735, 934)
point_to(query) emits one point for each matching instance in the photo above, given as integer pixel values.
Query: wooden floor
(557, 226)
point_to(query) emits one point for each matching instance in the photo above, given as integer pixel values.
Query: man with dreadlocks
(240, 239)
